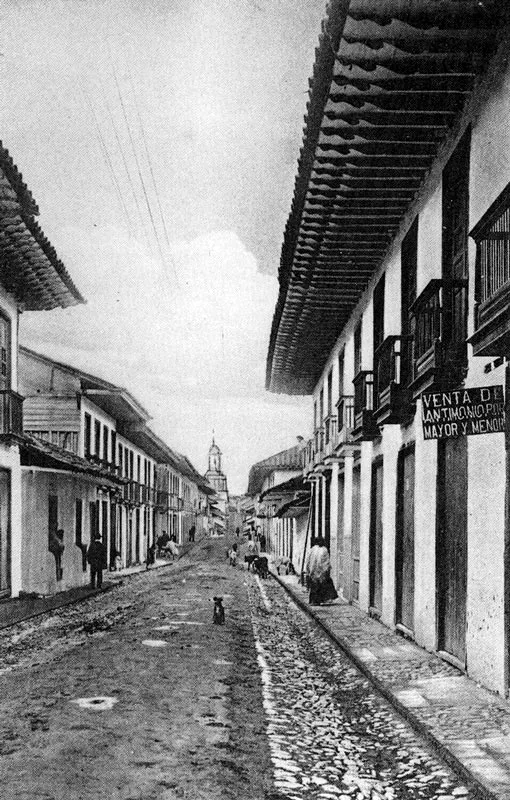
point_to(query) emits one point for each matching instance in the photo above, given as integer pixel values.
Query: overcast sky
(160, 139)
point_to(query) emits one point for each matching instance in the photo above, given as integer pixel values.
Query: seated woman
(318, 567)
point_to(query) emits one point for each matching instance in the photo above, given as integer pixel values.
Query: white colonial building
(394, 314)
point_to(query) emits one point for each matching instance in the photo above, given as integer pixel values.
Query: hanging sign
(463, 412)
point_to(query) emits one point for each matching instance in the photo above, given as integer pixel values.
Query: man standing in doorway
(96, 556)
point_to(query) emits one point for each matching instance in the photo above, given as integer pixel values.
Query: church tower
(214, 474)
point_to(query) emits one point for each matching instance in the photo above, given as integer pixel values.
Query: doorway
(376, 537)
(451, 547)
(404, 545)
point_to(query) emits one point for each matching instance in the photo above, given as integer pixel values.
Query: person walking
(96, 556)
(318, 568)
(262, 543)
(151, 556)
(191, 534)
(57, 547)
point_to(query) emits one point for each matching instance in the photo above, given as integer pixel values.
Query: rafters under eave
(390, 80)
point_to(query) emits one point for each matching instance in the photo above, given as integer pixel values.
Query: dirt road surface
(183, 715)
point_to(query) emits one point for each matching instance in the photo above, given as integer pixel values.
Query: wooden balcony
(329, 434)
(11, 413)
(318, 445)
(393, 397)
(440, 352)
(345, 421)
(365, 427)
(492, 280)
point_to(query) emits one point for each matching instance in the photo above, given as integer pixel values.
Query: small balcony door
(455, 248)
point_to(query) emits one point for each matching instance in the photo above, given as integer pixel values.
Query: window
(52, 516)
(330, 392)
(138, 468)
(113, 442)
(97, 438)
(78, 523)
(5, 348)
(106, 442)
(321, 406)
(455, 240)
(341, 369)
(492, 278)
(409, 268)
(357, 348)
(120, 459)
(88, 435)
(379, 314)
(131, 464)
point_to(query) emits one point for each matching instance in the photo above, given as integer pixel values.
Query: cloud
(188, 336)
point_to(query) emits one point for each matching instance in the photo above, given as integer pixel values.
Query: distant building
(217, 479)
(264, 481)
(92, 467)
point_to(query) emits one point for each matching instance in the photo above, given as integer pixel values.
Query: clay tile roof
(390, 81)
(29, 266)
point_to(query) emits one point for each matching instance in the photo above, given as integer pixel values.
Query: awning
(35, 452)
(294, 508)
(390, 82)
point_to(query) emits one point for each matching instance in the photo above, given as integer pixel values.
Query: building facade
(127, 486)
(267, 486)
(393, 313)
(32, 278)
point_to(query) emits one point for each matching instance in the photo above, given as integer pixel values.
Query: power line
(126, 119)
(128, 173)
(107, 158)
(149, 161)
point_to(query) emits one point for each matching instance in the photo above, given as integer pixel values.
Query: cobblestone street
(331, 734)
(135, 694)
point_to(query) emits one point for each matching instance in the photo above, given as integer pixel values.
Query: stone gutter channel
(441, 707)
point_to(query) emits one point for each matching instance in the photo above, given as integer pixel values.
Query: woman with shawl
(318, 568)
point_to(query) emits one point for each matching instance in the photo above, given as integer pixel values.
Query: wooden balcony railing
(365, 427)
(345, 419)
(439, 355)
(329, 433)
(392, 398)
(11, 413)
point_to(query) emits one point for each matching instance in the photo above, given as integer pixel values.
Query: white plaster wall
(391, 441)
(425, 539)
(366, 485)
(334, 521)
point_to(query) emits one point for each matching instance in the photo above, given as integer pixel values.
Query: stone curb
(461, 769)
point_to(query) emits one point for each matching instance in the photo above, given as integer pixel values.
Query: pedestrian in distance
(262, 543)
(191, 534)
(96, 555)
(233, 555)
(151, 556)
(162, 542)
(318, 568)
(57, 547)
(238, 532)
